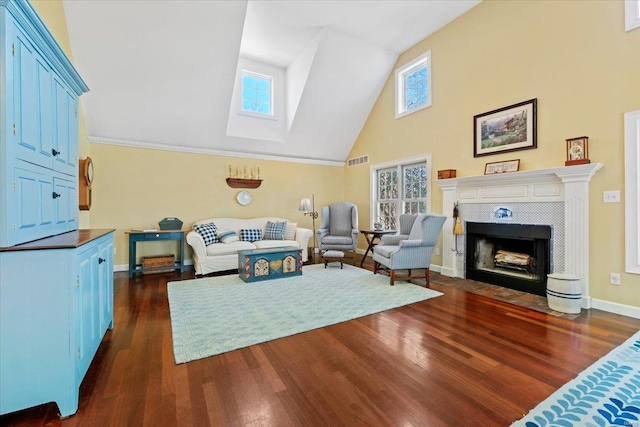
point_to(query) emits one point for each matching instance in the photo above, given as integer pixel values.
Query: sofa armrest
(303, 235)
(197, 243)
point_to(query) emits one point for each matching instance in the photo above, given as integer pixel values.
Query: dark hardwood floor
(457, 360)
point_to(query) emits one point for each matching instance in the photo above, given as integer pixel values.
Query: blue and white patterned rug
(605, 394)
(214, 315)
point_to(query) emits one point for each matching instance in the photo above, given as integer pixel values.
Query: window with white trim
(413, 86)
(256, 94)
(400, 188)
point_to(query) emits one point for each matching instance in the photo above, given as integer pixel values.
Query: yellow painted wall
(573, 56)
(136, 188)
(52, 14)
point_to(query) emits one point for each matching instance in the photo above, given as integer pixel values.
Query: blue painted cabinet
(56, 282)
(39, 90)
(56, 304)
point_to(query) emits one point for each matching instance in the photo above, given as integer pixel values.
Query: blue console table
(152, 236)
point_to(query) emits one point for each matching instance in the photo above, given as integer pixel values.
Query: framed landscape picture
(505, 129)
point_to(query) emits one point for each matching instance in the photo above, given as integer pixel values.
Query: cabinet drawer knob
(56, 195)
(55, 152)
(101, 260)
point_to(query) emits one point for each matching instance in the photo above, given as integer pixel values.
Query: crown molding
(209, 152)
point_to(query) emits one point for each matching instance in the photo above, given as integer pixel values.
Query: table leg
(132, 256)
(182, 254)
(369, 248)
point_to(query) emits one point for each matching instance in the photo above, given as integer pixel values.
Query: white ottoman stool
(564, 293)
(333, 256)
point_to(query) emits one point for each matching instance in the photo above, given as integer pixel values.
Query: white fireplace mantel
(565, 184)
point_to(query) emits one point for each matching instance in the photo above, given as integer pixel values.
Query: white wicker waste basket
(564, 293)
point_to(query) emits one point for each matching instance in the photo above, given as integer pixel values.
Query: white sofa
(224, 256)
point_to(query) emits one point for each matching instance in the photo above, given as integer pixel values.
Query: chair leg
(392, 276)
(376, 265)
(426, 274)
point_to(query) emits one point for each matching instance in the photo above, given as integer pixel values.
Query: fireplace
(558, 197)
(516, 256)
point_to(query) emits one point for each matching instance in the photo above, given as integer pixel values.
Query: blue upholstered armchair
(412, 252)
(339, 228)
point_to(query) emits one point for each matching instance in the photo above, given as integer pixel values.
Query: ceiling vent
(358, 160)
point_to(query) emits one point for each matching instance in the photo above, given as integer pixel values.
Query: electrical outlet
(611, 196)
(615, 279)
(115, 250)
(437, 251)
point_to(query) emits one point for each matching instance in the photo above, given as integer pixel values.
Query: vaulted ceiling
(162, 73)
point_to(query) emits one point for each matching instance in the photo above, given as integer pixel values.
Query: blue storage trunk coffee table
(264, 264)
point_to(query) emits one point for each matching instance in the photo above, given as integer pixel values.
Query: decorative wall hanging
(505, 129)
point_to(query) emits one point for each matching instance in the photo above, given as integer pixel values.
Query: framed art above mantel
(505, 129)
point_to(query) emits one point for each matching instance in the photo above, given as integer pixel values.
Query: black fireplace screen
(515, 256)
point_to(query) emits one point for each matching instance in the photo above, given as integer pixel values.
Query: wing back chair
(339, 228)
(412, 253)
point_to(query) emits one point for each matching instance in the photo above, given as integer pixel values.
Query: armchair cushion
(386, 250)
(209, 232)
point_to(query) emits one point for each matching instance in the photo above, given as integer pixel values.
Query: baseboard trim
(613, 307)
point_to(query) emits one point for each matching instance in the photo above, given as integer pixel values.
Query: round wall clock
(88, 171)
(85, 179)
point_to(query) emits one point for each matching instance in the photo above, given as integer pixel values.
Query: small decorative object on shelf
(244, 173)
(243, 183)
(577, 151)
(447, 173)
(502, 167)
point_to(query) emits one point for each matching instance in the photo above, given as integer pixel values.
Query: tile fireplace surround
(557, 196)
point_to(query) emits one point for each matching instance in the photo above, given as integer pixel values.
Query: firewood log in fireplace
(514, 260)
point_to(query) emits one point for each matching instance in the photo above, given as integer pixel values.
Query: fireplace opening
(515, 256)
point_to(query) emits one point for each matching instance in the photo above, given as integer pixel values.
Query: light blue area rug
(214, 315)
(605, 394)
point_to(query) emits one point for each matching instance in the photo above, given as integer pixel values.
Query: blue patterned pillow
(250, 234)
(228, 236)
(209, 232)
(275, 230)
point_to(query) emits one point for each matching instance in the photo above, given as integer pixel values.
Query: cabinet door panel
(88, 310)
(32, 94)
(65, 138)
(106, 285)
(33, 216)
(66, 205)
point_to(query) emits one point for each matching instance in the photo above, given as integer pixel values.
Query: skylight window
(413, 86)
(257, 94)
